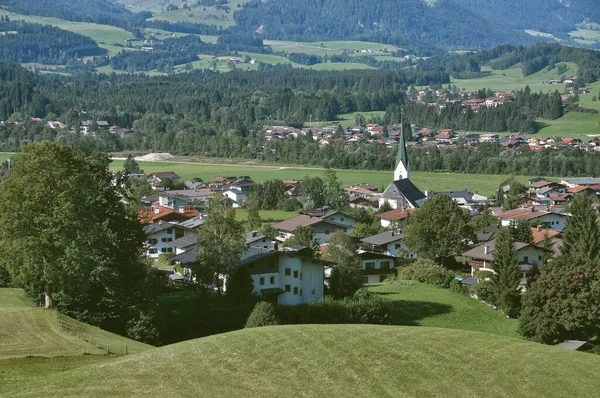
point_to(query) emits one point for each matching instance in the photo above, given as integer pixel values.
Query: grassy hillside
(333, 360)
(26, 329)
(421, 304)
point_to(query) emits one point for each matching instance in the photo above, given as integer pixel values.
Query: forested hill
(100, 11)
(552, 16)
(444, 24)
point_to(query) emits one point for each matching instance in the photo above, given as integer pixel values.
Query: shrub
(263, 314)
(427, 271)
(363, 308)
(484, 291)
(457, 287)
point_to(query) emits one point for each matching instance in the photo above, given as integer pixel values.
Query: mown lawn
(421, 304)
(334, 361)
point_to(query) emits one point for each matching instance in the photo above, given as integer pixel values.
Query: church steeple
(402, 170)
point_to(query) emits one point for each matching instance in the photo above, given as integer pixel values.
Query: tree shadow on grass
(409, 313)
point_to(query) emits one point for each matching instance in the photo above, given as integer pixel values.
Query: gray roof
(544, 190)
(186, 241)
(572, 344)
(157, 227)
(254, 254)
(383, 238)
(479, 251)
(188, 257)
(192, 223)
(407, 189)
(582, 180)
(487, 233)
(468, 281)
(252, 236)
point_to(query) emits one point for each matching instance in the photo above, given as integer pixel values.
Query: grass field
(483, 183)
(420, 304)
(269, 216)
(348, 119)
(589, 36)
(333, 361)
(196, 13)
(26, 329)
(513, 79)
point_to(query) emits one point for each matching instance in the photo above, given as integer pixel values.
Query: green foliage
(384, 208)
(482, 220)
(143, 328)
(520, 231)
(303, 236)
(563, 303)
(346, 276)
(74, 241)
(290, 204)
(271, 194)
(427, 271)
(335, 197)
(220, 245)
(253, 206)
(361, 308)
(581, 238)
(438, 229)
(485, 291)
(457, 287)
(240, 285)
(131, 166)
(505, 281)
(362, 230)
(263, 314)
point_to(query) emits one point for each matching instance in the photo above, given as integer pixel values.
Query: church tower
(402, 171)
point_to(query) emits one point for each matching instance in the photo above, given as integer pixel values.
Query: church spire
(402, 170)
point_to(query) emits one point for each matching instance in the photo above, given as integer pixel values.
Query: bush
(427, 271)
(363, 308)
(263, 314)
(290, 204)
(484, 291)
(457, 287)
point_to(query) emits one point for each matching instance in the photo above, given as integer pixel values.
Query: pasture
(315, 360)
(421, 304)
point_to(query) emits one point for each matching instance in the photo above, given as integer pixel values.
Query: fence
(82, 332)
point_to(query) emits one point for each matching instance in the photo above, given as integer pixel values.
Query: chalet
(396, 217)
(548, 219)
(389, 243)
(160, 235)
(157, 180)
(560, 198)
(489, 138)
(582, 90)
(255, 239)
(584, 181)
(156, 213)
(362, 202)
(465, 199)
(322, 229)
(376, 267)
(539, 234)
(445, 136)
(288, 277)
(487, 233)
(333, 216)
(87, 126)
(481, 258)
(55, 125)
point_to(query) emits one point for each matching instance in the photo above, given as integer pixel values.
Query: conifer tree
(520, 231)
(507, 275)
(581, 238)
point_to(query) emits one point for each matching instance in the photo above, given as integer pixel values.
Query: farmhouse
(389, 243)
(322, 229)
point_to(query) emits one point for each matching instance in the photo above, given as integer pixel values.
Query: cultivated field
(421, 304)
(333, 360)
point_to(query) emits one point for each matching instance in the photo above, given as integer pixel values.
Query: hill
(316, 360)
(27, 330)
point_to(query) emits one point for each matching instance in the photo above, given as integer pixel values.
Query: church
(402, 193)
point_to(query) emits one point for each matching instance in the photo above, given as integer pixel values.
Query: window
(300, 292)
(262, 281)
(342, 219)
(296, 290)
(540, 258)
(152, 251)
(369, 266)
(163, 250)
(163, 240)
(365, 280)
(169, 239)
(326, 232)
(288, 288)
(170, 230)
(295, 274)
(288, 272)
(385, 265)
(170, 250)
(526, 260)
(382, 278)
(272, 280)
(398, 246)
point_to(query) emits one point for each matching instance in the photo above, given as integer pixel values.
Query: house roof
(522, 214)
(155, 213)
(188, 257)
(488, 233)
(407, 189)
(359, 190)
(560, 197)
(576, 189)
(538, 234)
(541, 183)
(396, 214)
(161, 175)
(478, 252)
(383, 238)
(366, 255)
(158, 227)
(582, 180)
(186, 241)
(301, 221)
(252, 236)
(192, 223)
(544, 190)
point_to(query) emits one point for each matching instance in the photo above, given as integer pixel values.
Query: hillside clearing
(26, 329)
(421, 304)
(334, 360)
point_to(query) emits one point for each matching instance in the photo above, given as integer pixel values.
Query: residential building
(396, 217)
(160, 235)
(376, 267)
(390, 243)
(157, 180)
(547, 219)
(322, 229)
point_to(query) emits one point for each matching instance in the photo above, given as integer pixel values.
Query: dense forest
(443, 24)
(44, 44)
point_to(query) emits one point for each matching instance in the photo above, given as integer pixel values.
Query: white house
(160, 235)
(333, 216)
(237, 196)
(322, 229)
(255, 239)
(376, 267)
(290, 276)
(389, 243)
(395, 217)
(547, 219)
